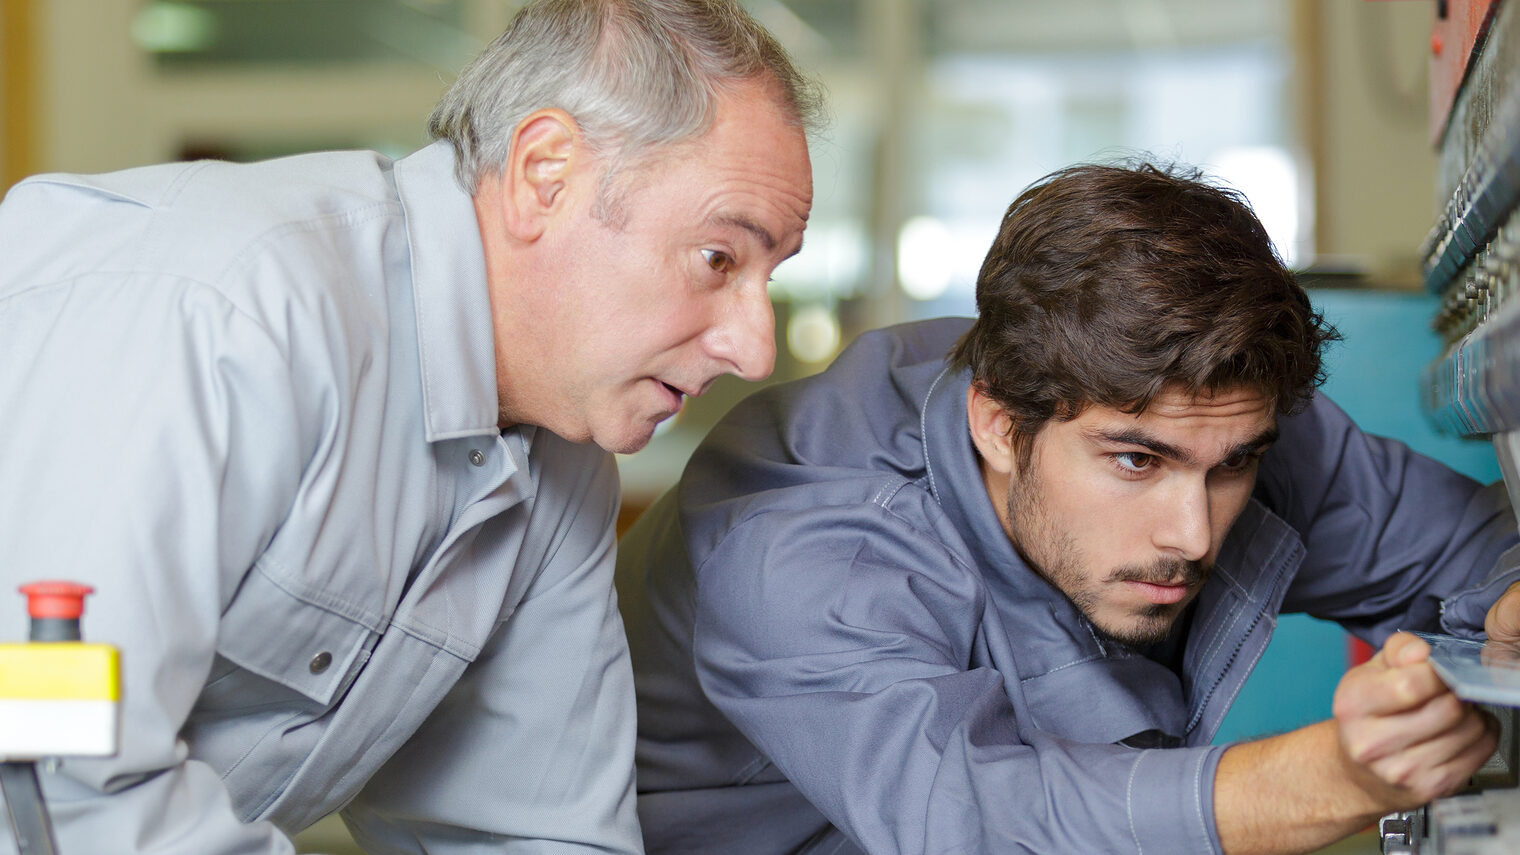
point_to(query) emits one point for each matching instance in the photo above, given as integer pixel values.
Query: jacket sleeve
(1394, 539)
(840, 641)
(151, 447)
(531, 753)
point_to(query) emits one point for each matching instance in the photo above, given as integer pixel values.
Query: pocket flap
(288, 639)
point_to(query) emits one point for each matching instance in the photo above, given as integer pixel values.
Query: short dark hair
(1107, 284)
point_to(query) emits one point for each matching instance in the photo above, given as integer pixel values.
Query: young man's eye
(1134, 461)
(1240, 462)
(717, 260)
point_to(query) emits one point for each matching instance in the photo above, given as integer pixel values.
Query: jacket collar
(955, 478)
(455, 337)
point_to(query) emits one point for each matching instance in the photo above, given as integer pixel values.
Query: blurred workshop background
(942, 110)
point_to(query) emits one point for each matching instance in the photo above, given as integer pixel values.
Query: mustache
(1164, 571)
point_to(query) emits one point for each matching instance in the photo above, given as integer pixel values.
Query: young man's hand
(1404, 737)
(1503, 621)
(1399, 739)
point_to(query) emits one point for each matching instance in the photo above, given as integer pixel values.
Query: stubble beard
(1053, 553)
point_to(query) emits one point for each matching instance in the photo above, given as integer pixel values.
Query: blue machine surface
(1374, 376)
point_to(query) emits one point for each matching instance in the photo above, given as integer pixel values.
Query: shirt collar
(955, 474)
(456, 343)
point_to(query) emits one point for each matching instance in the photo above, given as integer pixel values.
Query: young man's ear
(536, 180)
(991, 430)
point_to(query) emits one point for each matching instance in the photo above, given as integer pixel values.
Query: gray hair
(635, 74)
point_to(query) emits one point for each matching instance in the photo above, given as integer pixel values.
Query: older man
(990, 587)
(329, 435)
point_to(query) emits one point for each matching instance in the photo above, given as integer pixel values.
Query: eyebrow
(1160, 448)
(739, 221)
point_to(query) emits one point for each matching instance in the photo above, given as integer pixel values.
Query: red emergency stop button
(55, 600)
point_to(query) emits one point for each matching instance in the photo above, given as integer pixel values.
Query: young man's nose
(1183, 527)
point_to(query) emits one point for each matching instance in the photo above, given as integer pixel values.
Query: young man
(329, 436)
(991, 586)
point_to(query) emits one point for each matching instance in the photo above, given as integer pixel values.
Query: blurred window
(187, 35)
(941, 111)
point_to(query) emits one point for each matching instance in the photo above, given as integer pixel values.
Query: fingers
(1500, 655)
(1441, 765)
(1369, 739)
(1503, 620)
(1398, 679)
(1403, 733)
(1403, 648)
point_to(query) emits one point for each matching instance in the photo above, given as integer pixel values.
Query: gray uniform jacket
(255, 407)
(836, 646)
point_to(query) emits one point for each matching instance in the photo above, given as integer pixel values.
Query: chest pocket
(312, 649)
(283, 664)
(1130, 699)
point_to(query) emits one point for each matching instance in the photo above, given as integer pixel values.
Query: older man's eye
(719, 261)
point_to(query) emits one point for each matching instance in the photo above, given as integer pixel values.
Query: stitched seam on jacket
(438, 640)
(1220, 636)
(749, 770)
(1234, 583)
(1129, 801)
(923, 431)
(284, 784)
(1071, 664)
(888, 491)
(1226, 632)
(1198, 802)
(261, 242)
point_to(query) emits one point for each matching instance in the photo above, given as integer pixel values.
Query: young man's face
(1125, 514)
(649, 305)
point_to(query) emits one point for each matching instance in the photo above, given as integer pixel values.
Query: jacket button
(476, 457)
(320, 662)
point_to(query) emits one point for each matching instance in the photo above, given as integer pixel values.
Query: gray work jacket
(255, 407)
(837, 648)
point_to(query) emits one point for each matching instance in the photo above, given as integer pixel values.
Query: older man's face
(653, 303)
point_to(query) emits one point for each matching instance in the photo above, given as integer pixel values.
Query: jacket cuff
(1178, 818)
(1462, 613)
